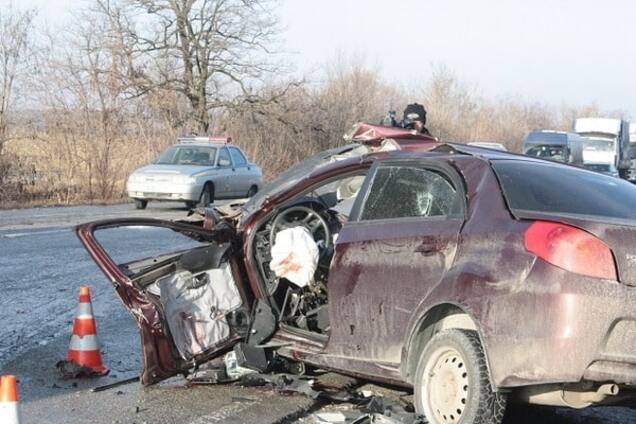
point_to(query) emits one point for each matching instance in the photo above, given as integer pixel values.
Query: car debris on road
(372, 409)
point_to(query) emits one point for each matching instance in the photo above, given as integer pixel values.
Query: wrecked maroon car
(472, 275)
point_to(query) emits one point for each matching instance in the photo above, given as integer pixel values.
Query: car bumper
(563, 328)
(164, 191)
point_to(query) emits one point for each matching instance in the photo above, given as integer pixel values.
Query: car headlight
(135, 178)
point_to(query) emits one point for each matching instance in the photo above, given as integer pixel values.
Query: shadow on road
(533, 414)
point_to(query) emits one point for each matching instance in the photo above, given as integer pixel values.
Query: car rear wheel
(252, 191)
(452, 384)
(207, 196)
(141, 204)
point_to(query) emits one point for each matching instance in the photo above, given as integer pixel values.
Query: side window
(407, 192)
(237, 157)
(224, 157)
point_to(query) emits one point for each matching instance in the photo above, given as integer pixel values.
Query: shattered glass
(409, 191)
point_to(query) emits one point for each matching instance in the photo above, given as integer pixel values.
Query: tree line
(83, 106)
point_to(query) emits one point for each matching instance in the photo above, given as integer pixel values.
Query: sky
(556, 52)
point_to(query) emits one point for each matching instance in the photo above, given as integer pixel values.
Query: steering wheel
(301, 216)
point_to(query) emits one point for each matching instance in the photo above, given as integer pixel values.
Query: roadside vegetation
(82, 107)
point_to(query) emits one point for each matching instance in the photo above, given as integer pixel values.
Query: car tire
(141, 204)
(452, 383)
(252, 191)
(207, 196)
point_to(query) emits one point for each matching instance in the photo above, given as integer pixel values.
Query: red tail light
(570, 248)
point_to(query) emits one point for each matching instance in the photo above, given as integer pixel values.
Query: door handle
(427, 249)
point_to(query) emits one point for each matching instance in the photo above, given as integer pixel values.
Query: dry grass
(77, 155)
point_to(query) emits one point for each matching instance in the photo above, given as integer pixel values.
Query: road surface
(42, 264)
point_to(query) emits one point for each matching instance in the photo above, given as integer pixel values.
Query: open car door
(180, 282)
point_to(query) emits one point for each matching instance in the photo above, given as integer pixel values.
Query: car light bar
(199, 139)
(570, 248)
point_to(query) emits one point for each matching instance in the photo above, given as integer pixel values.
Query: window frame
(239, 152)
(218, 158)
(430, 165)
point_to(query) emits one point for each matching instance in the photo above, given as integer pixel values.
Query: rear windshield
(551, 188)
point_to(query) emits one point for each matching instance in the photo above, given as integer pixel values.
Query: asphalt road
(42, 265)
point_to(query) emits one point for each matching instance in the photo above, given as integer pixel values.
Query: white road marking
(222, 414)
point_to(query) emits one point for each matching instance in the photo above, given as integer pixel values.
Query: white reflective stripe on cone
(88, 342)
(9, 413)
(84, 309)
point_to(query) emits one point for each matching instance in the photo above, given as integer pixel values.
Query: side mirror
(224, 162)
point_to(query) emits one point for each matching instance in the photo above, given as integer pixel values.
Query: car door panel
(182, 301)
(254, 175)
(240, 178)
(223, 181)
(237, 181)
(379, 274)
(381, 270)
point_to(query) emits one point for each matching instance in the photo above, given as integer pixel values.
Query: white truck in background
(632, 133)
(606, 146)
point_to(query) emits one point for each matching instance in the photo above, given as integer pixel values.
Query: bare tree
(86, 110)
(213, 52)
(15, 31)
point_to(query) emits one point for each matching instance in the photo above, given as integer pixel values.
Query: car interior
(323, 210)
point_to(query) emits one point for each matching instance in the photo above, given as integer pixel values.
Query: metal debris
(115, 384)
(371, 409)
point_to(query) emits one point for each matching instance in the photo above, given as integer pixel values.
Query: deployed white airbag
(196, 308)
(295, 256)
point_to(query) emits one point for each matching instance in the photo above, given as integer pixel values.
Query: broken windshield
(294, 174)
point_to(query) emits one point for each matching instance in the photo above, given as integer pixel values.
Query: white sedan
(196, 171)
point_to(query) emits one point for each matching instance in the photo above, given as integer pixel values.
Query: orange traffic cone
(84, 347)
(9, 408)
